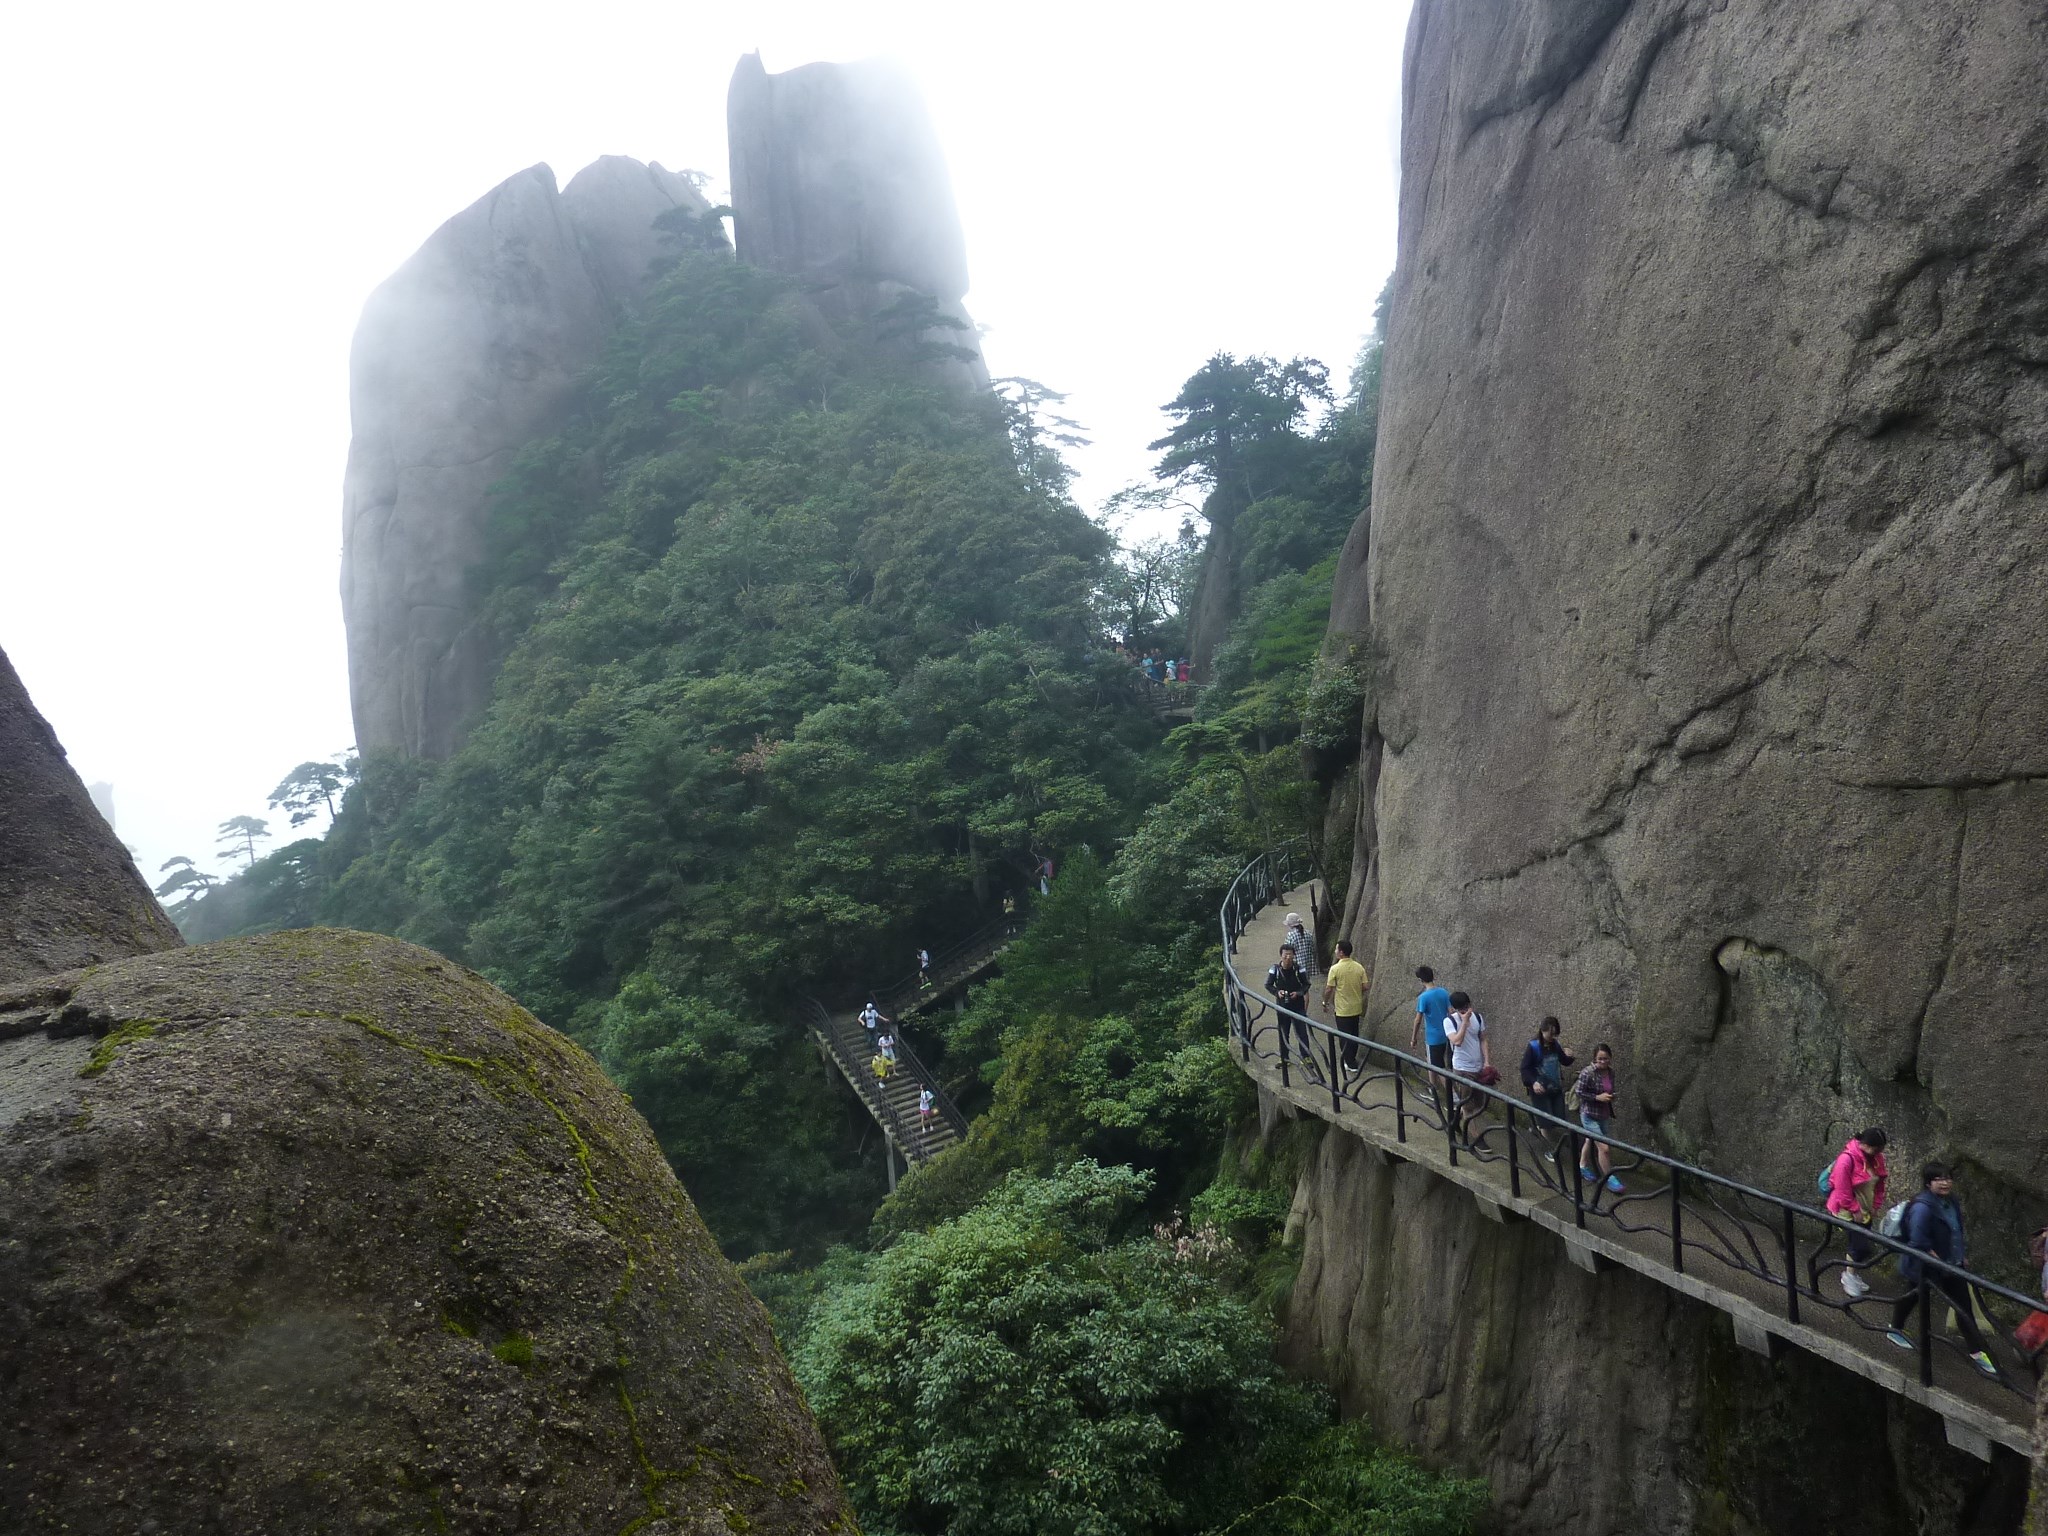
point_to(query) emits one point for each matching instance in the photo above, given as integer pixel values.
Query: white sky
(204, 193)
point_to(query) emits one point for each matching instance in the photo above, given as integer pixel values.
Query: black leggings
(1958, 1295)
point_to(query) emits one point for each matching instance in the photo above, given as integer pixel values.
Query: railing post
(1400, 1111)
(1579, 1190)
(1514, 1157)
(1451, 1129)
(1791, 1269)
(1677, 1220)
(1336, 1098)
(1926, 1332)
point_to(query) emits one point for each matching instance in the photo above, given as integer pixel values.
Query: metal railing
(863, 1081)
(1771, 1251)
(985, 941)
(941, 1100)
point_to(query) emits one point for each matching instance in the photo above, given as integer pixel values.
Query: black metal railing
(946, 966)
(1776, 1253)
(941, 1100)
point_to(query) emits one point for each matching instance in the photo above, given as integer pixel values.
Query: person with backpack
(1934, 1227)
(1289, 986)
(1471, 1057)
(871, 1018)
(1855, 1184)
(1543, 1062)
(1596, 1090)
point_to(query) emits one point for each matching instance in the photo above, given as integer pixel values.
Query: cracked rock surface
(1701, 602)
(1706, 573)
(319, 1232)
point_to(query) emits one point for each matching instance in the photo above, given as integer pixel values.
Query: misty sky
(202, 196)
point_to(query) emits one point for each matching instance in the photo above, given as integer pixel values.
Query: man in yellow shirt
(1344, 989)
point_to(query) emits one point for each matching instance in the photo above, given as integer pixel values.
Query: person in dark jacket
(1543, 1062)
(1289, 986)
(1934, 1226)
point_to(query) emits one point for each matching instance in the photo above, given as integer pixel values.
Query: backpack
(1894, 1221)
(1826, 1182)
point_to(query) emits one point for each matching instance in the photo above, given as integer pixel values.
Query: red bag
(2032, 1334)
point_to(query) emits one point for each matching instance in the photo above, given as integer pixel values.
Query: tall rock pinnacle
(462, 356)
(69, 893)
(838, 179)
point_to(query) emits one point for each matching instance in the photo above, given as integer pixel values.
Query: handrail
(941, 1100)
(863, 1082)
(992, 934)
(1743, 1228)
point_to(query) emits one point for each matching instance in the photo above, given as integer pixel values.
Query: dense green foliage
(1036, 1367)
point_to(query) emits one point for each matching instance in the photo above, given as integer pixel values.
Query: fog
(203, 196)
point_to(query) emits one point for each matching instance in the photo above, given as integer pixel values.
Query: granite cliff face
(69, 893)
(1706, 562)
(838, 179)
(1700, 598)
(463, 356)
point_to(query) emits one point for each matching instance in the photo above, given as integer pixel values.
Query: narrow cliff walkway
(1771, 1264)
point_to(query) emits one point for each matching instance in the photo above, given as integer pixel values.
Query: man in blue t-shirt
(1431, 1009)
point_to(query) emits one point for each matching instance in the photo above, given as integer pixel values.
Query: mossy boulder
(319, 1232)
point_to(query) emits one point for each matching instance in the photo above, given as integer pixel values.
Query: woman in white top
(1470, 1056)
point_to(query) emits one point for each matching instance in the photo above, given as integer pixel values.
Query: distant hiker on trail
(1431, 1009)
(1303, 945)
(924, 967)
(1934, 1226)
(1856, 1187)
(1465, 1029)
(886, 1044)
(871, 1018)
(1289, 986)
(1543, 1062)
(926, 1113)
(881, 1066)
(1045, 876)
(1596, 1089)
(1344, 992)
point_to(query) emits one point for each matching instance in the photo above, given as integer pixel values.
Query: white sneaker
(1854, 1286)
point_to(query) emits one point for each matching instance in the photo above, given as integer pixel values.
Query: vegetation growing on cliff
(806, 663)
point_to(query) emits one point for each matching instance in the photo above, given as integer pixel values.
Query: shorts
(1593, 1123)
(1440, 1055)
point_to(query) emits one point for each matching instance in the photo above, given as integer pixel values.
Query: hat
(1294, 919)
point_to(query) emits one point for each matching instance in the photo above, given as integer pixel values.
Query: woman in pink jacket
(1856, 1187)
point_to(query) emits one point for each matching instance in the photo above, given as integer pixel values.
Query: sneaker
(1854, 1286)
(1900, 1339)
(1614, 1183)
(1983, 1363)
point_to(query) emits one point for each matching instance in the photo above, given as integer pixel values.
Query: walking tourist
(924, 967)
(881, 1066)
(1344, 992)
(871, 1018)
(1856, 1186)
(1431, 1009)
(1289, 987)
(886, 1043)
(1302, 943)
(1543, 1062)
(1465, 1029)
(1934, 1227)
(926, 1112)
(1596, 1089)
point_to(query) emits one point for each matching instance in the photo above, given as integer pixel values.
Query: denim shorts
(1593, 1123)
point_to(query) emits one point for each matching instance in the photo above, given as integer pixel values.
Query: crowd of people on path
(1455, 1035)
(884, 1063)
(1157, 667)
